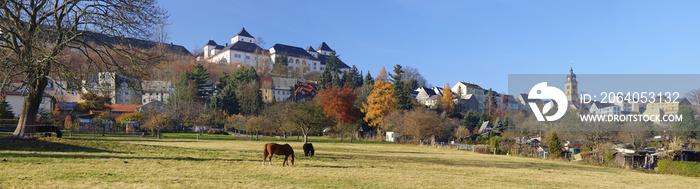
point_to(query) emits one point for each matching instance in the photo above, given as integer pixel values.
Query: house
(507, 102)
(156, 91)
(241, 51)
(462, 89)
(485, 127)
(266, 89)
(392, 136)
(467, 103)
(429, 96)
(668, 106)
(599, 108)
(303, 92)
(281, 88)
(155, 107)
(16, 100)
(122, 89)
(244, 51)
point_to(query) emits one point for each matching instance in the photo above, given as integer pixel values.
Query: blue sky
(474, 41)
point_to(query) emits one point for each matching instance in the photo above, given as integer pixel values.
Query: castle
(244, 51)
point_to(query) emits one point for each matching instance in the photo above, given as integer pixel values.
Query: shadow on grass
(107, 156)
(45, 145)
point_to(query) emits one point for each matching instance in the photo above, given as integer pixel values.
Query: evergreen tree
(348, 78)
(368, 79)
(336, 80)
(498, 125)
(6, 111)
(326, 78)
(685, 127)
(280, 66)
(402, 95)
(471, 120)
(554, 146)
(356, 77)
(226, 101)
(333, 63)
(412, 85)
(200, 76)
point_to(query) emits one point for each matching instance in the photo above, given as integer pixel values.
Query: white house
(156, 91)
(604, 109)
(16, 99)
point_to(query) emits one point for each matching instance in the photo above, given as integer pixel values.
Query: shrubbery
(679, 168)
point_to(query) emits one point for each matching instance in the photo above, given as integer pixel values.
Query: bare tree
(694, 97)
(410, 73)
(36, 32)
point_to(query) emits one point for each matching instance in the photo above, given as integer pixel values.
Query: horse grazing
(309, 150)
(278, 149)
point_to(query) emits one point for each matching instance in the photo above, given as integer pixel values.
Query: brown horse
(278, 149)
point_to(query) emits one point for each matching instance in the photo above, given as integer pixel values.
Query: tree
(498, 125)
(135, 116)
(157, 123)
(280, 67)
(554, 146)
(307, 116)
(333, 63)
(338, 103)
(6, 110)
(471, 120)
(422, 123)
(402, 95)
(70, 124)
(356, 76)
(200, 77)
(380, 101)
(412, 74)
(368, 79)
(36, 33)
(249, 98)
(447, 104)
(92, 101)
(686, 128)
(326, 78)
(226, 101)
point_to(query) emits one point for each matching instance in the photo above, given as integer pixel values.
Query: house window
(121, 93)
(291, 60)
(75, 93)
(237, 55)
(297, 61)
(247, 57)
(124, 85)
(303, 62)
(43, 100)
(126, 93)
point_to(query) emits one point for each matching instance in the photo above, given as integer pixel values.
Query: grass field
(88, 161)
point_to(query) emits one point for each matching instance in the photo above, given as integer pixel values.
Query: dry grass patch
(128, 162)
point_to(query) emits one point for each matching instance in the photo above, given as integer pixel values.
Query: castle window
(297, 61)
(247, 57)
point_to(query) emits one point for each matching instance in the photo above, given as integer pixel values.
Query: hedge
(9, 121)
(685, 168)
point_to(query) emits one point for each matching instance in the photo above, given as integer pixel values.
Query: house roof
(24, 94)
(293, 51)
(244, 33)
(472, 85)
(122, 108)
(324, 47)
(306, 87)
(279, 83)
(211, 43)
(102, 38)
(243, 47)
(310, 49)
(324, 57)
(265, 79)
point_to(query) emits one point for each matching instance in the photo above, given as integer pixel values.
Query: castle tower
(571, 86)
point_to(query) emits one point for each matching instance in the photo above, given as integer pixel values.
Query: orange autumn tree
(447, 105)
(338, 103)
(380, 101)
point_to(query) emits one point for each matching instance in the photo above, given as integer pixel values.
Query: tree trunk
(30, 107)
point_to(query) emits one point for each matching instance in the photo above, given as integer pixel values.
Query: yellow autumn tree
(380, 101)
(447, 105)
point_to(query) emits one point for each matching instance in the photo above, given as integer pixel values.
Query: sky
(472, 41)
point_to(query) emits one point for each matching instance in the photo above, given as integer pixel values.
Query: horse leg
(265, 153)
(285, 160)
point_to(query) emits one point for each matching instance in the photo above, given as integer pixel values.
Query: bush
(679, 168)
(9, 121)
(216, 132)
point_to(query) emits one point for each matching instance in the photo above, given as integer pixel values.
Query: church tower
(571, 86)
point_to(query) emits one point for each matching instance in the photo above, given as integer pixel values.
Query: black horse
(309, 150)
